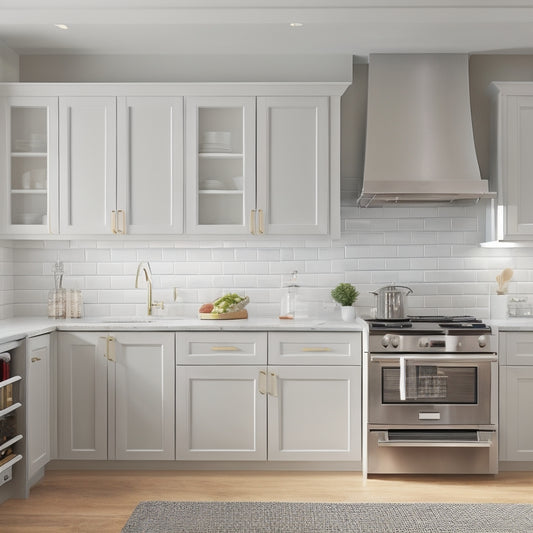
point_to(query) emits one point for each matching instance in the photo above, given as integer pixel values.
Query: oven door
(437, 389)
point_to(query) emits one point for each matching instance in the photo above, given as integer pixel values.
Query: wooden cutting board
(243, 313)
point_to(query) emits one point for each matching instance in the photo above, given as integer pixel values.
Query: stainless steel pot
(391, 301)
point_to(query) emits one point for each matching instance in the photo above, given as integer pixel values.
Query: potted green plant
(345, 294)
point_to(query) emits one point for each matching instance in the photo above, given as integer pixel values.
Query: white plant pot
(348, 313)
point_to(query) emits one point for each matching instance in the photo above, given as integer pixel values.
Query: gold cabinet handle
(109, 347)
(224, 348)
(316, 349)
(261, 222)
(35, 359)
(262, 382)
(114, 222)
(122, 227)
(273, 385)
(252, 222)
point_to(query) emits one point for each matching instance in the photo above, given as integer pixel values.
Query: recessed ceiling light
(61, 26)
(296, 24)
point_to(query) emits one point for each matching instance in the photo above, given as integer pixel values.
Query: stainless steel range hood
(419, 138)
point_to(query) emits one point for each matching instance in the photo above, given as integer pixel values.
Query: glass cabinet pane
(220, 166)
(29, 165)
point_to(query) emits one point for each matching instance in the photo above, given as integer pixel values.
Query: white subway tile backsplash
(432, 250)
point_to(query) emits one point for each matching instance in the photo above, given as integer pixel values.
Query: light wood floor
(90, 502)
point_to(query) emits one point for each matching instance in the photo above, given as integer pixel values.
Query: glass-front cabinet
(30, 165)
(220, 148)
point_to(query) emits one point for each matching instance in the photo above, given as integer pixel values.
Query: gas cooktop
(437, 324)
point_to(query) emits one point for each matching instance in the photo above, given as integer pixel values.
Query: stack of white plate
(215, 141)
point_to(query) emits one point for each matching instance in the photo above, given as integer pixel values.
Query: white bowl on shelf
(210, 185)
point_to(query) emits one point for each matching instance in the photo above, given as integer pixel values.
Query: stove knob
(423, 342)
(385, 341)
(482, 341)
(395, 341)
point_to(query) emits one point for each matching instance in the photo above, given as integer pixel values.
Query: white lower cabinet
(516, 395)
(116, 395)
(220, 413)
(38, 403)
(301, 412)
(314, 413)
(516, 424)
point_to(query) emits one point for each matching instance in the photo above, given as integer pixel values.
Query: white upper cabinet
(293, 165)
(288, 194)
(220, 154)
(28, 158)
(150, 165)
(87, 165)
(512, 162)
(121, 165)
(170, 159)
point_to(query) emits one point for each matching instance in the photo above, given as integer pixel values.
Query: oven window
(431, 384)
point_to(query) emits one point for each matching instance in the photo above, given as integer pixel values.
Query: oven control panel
(390, 343)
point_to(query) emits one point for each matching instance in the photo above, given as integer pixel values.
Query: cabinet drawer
(516, 348)
(320, 348)
(221, 348)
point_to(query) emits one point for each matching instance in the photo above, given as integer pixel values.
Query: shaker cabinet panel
(516, 348)
(150, 165)
(87, 167)
(116, 395)
(220, 413)
(293, 164)
(314, 413)
(144, 395)
(516, 426)
(82, 396)
(38, 403)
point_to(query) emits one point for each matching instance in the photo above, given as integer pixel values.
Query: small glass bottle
(288, 300)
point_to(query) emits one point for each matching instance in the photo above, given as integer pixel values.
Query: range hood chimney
(419, 138)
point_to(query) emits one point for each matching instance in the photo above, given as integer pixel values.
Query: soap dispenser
(288, 300)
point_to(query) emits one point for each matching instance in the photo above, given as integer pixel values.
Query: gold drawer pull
(35, 359)
(252, 222)
(317, 349)
(224, 349)
(114, 222)
(262, 382)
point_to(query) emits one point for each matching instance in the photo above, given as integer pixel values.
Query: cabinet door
(516, 348)
(314, 413)
(38, 403)
(517, 165)
(516, 424)
(29, 165)
(220, 164)
(87, 164)
(221, 412)
(82, 396)
(144, 395)
(150, 165)
(293, 165)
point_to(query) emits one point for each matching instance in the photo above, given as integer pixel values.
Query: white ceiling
(355, 27)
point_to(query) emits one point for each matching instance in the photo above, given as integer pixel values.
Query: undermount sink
(132, 319)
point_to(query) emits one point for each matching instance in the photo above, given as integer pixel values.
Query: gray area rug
(278, 517)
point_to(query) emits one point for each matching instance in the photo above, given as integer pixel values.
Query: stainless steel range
(431, 396)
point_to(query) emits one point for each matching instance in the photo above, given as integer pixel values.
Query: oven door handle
(434, 444)
(403, 386)
(455, 358)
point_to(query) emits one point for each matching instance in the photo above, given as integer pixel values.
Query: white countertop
(21, 327)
